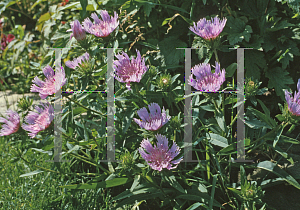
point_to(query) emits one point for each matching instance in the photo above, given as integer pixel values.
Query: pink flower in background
(81, 59)
(101, 28)
(78, 31)
(52, 83)
(11, 123)
(209, 29)
(40, 120)
(127, 70)
(6, 39)
(160, 156)
(153, 121)
(1, 22)
(205, 79)
(293, 103)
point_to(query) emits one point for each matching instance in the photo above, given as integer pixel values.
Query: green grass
(42, 191)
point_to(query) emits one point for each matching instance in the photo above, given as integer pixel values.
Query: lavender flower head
(101, 28)
(127, 70)
(52, 83)
(160, 156)
(205, 79)
(153, 121)
(293, 103)
(209, 29)
(39, 121)
(78, 31)
(80, 60)
(11, 123)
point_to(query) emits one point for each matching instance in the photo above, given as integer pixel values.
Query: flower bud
(164, 81)
(78, 31)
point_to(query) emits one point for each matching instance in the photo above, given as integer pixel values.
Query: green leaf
(105, 184)
(237, 30)
(32, 173)
(168, 53)
(279, 79)
(254, 62)
(195, 195)
(196, 205)
(78, 110)
(135, 182)
(220, 120)
(230, 70)
(6, 4)
(255, 123)
(148, 8)
(283, 154)
(277, 137)
(279, 25)
(69, 6)
(289, 49)
(217, 139)
(145, 196)
(271, 122)
(140, 189)
(84, 4)
(269, 166)
(174, 8)
(36, 3)
(174, 183)
(266, 110)
(231, 149)
(286, 139)
(42, 20)
(129, 113)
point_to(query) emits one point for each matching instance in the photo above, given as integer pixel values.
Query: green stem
(223, 96)
(86, 147)
(291, 129)
(99, 166)
(79, 104)
(216, 55)
(207, 160)
(21, 12)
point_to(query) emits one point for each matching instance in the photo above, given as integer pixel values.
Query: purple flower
(205, 79)
(51, 85)
(160, 156)
(78, 31)
(209, 29)
(293, 103)
(12, 123)
(155, 120)
(80, 60)
(127, 70)
(101, 28)
(39, 121)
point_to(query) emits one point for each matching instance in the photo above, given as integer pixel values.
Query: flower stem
(216, 55)
(207, 160)
(79, 104)
(223, 96)
(291, 129)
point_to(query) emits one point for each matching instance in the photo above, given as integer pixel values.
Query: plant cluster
(149, 145)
